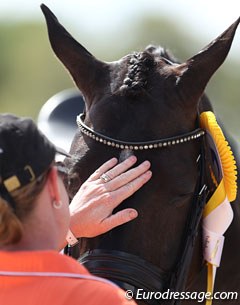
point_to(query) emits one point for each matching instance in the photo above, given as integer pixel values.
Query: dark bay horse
(147, 104)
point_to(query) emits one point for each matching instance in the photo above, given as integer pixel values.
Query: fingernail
(114, 160)
(148, 174)
(132, 158)
(146, 163)
(133, 214)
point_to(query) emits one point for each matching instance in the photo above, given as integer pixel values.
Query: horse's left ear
(195, 73)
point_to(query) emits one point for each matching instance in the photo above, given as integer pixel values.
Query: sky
(206, 18)
(211, 16)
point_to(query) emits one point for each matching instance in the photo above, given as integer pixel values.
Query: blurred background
(30, 74)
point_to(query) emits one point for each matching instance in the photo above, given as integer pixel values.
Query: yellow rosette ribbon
(217, 214)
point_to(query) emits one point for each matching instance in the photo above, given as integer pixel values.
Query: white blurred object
(57, 117)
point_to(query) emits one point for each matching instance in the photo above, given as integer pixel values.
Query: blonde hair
(11, 228)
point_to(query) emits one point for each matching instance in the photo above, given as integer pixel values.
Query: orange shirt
(45, 278)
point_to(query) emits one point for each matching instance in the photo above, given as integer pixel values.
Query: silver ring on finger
(105, 178)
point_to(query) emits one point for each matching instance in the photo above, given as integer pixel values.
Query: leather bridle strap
(128, 271)
(178, 281)
(160, 143)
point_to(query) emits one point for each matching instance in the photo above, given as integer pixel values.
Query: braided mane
(140, 66)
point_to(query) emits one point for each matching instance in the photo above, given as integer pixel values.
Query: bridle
(130, 271)
(161, 143)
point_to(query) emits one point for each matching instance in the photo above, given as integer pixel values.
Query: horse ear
(85, 69)
(194, 74)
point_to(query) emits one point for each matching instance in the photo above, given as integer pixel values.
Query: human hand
(91, 208)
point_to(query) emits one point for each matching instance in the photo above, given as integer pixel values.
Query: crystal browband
(195, 134)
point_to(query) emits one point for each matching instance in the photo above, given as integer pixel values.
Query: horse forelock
(140, 67)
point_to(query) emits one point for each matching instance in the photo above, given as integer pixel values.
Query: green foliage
(29, 73)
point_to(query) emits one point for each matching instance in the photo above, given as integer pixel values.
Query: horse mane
(140, 66)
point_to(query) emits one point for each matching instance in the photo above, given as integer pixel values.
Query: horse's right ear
(85, 69)
(195, 73)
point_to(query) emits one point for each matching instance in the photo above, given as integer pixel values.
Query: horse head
(148, 98)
